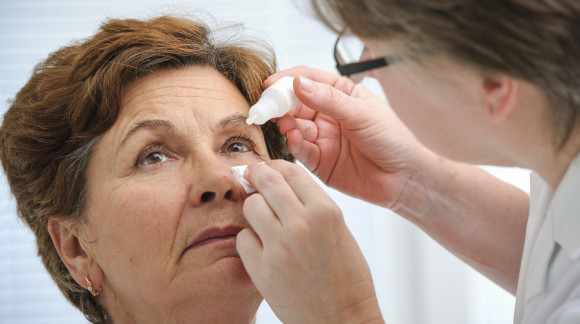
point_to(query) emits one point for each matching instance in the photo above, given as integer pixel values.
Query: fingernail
(306, 85)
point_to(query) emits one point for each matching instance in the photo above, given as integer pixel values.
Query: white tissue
(238, 172)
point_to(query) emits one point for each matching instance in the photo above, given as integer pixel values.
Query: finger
(302, 184)
(305, 152)
(250, 250)
(276, 191)
(329, 101)
(261, 217)
(303, 112)
(307, 128)
(311, 73)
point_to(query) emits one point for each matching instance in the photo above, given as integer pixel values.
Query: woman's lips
(215, 235)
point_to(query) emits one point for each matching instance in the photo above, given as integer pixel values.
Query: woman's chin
(226, 275)
(234, 269)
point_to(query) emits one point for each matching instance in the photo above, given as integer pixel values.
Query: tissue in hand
(238, 172)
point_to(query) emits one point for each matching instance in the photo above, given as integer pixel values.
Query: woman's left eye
(153, 158)
(238, 145)
(237, 148)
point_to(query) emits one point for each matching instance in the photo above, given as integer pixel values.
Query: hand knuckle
(344, 84)
(301, 227)
(293, 171)
(334, 96)
(252, 205)
(270, 180)
(330, 213)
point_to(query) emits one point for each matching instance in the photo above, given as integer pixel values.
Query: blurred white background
(416, 280)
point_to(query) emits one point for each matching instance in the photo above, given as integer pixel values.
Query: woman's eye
(154, 158)
(153, 154)
(237, 148)
(238, 144)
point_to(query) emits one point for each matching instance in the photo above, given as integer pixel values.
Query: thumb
(328, 100)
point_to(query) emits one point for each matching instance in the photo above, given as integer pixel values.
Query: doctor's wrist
(364, 310)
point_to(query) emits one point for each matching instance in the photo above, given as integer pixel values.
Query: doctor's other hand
(299, 253)
(349, 137)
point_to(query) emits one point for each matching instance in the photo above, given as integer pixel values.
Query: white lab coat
(549, 282)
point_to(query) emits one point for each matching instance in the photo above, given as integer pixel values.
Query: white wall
(416, 280)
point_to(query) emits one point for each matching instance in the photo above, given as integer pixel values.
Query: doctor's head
(458, 68)
(118, 151)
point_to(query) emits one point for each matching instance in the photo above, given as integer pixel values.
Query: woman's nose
(214, 183)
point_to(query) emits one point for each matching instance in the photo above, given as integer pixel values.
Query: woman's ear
(501, 94)
(73, 253)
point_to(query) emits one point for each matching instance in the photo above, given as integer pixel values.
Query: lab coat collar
(565, 210)
(541, 253)
(560, 226)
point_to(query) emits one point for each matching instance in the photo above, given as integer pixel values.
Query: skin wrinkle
(167, 125)
(72, 98)
(195, 136)
(460, 253)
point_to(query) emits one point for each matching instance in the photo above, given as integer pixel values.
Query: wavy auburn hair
(73, 97)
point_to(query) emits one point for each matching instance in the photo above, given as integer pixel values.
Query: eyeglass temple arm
(358, 67)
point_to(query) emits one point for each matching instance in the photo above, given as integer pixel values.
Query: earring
(94, 292)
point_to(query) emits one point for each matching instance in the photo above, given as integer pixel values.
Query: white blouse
(549, 282)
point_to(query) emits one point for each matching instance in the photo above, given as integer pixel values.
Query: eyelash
(244, 138)
(149, 149)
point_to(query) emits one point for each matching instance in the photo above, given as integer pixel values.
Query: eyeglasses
(348, 51)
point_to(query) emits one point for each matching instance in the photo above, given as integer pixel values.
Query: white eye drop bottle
(275, 101)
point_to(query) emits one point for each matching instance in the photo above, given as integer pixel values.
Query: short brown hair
(536, 41)
(73, 97)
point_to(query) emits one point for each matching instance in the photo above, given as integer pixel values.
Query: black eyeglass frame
(357, 67)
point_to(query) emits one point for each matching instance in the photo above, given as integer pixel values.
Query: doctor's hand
(349, 137)
(299, 253)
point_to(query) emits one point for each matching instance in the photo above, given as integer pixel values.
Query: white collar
(561, 224)
(565, 210)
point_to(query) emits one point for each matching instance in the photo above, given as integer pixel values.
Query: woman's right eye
(153, 158)
(153, 154)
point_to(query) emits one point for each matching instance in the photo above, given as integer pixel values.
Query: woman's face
(163, 206)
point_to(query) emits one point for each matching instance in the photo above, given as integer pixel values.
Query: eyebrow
(232, 119)
(149, 123)
(169, 126)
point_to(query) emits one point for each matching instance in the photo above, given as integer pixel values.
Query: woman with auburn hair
(468, 83)
(119, 151)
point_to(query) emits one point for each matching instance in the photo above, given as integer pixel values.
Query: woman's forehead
(195, 82)
(193, 97)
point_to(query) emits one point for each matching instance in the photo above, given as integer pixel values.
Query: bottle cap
(264, 110)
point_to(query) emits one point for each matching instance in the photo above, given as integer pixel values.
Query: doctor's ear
(501, 94)
(73, 251)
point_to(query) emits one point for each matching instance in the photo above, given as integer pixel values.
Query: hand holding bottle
(349, 137)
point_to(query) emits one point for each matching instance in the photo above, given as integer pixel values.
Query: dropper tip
(250, 120)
